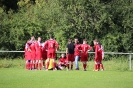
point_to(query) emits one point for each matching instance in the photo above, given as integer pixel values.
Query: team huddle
(42, 55)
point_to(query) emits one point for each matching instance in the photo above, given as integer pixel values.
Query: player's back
(71, 47)
(51, 44)
(85, 47)
(38, 46)
(98, 49)
(32, 46)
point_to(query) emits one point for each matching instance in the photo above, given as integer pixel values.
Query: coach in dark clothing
(70, 54)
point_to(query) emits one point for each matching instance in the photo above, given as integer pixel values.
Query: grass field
(20, 78)
(116, 75)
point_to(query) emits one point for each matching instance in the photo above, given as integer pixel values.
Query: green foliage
(109, 21)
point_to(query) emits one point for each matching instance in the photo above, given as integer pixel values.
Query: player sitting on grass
(62, 62)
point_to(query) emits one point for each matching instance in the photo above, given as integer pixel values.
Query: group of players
(39, 55)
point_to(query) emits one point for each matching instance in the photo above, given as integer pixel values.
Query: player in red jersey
(70, 54)
(77, 53)
(102, 52)
(98, 55)
(27, 55)
(44, 54)
(84, 53)
(38, 47)
(33, 52)
(62, 62)
(28, 52)
(52, 47)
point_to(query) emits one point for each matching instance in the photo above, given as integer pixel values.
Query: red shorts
(44, 56)
(98, 58)
(27, 55)
(38, 55)
(84, 57)
(33, 55)
(70, 57)
(51, 54)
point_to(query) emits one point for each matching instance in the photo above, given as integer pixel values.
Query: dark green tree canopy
(109, 21)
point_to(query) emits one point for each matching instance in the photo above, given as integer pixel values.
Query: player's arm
(96, 51)
(36, 46)
(45, 45)
(57, 46)
(28, 47)
(90, 48)
(102, 54)
(66, 51)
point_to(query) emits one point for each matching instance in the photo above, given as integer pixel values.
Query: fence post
(130, 61)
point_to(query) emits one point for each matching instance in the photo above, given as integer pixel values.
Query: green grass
(116, 75)
(110, 65)
(20, 78)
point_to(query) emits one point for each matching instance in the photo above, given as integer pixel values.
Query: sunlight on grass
(20, 78)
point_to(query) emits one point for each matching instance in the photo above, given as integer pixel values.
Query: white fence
(113, 53)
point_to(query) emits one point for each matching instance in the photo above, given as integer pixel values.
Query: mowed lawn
(20, 78)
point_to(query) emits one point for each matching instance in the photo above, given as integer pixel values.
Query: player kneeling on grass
(62, 62)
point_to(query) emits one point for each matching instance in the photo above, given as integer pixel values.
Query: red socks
(84, 66)
(40, 65)
(98, 67)
(30, 66)
(36, 65)
(101, 65)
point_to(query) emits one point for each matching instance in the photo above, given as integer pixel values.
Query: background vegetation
(109, 21)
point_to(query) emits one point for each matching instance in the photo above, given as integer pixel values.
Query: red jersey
(51, 45)
(62, 60)
(33, 50)
(38, 48)
(98, 52)
(27, 51)
(85, 48)
(44, 52)
(77, 49)
(32, 47)
(101, 50)
(84, 51)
